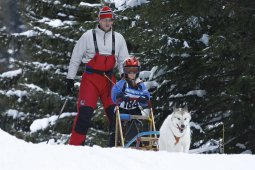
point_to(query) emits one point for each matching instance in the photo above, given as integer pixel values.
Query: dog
(175, 131)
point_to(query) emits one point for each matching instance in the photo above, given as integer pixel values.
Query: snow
(41, 124)
(32, 86)
(193, 22)
(29, 33)
(144, 75)
(11, 74)
(151, 84)
(89, 5)
(14, 113)
(55, 22)
(172, 41)
(205, 39)
(185, 44)
(44, 31)
(123, 4)
(199, 93)
(3, 28)
(43, 66)
(10, 51)
(242, 146)
(18, 93)
(20, 155)
(57, 2)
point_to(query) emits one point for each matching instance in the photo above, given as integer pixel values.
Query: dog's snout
(182, 126)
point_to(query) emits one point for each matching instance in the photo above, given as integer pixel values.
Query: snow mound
(20, 155)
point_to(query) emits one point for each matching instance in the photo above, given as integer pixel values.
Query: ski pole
(59, 115)
(112, 81)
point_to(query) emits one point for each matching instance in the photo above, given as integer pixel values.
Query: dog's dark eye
(185, 119)
(179, 118)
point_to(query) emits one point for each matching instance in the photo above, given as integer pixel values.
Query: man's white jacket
(84, 49)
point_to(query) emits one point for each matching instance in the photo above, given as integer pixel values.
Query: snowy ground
(16, 154)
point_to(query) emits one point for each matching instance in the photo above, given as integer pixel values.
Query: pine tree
(213, 78)
(53, 27)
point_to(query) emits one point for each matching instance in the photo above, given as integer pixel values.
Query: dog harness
(177, 139)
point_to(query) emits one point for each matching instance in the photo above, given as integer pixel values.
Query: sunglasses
(129, 70)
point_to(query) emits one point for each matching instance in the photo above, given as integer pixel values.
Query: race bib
(131, 104)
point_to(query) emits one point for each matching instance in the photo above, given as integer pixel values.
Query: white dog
(175, 131)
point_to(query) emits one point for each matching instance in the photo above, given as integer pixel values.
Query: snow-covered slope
(19, 155)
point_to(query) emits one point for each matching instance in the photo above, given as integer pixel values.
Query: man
(101, 49)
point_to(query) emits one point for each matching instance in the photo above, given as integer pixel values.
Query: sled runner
(136, 131)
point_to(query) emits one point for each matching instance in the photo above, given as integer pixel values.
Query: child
(130, 92)
(132, 97)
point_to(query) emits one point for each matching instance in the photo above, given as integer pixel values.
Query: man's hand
(69, 86)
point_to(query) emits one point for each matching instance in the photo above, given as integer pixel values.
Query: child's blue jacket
(122, 87)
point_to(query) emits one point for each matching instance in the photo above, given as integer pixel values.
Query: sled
(145, 139)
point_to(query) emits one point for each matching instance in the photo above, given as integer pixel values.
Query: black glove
(69, 86)
(123, 97)
(143, 99)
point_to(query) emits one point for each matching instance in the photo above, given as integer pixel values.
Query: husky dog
(175, 131)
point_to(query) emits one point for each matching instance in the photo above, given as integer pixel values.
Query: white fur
(169, 130)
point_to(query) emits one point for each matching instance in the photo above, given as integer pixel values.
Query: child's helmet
(131, 65)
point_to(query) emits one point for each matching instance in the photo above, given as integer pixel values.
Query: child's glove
(143, 99)
(123, 97)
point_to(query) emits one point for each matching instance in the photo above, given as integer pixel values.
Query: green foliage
(223, 67)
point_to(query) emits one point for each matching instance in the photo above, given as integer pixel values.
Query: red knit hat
(105, 12)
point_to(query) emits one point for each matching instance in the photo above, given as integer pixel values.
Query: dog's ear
(186, 108)
(174, 107)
